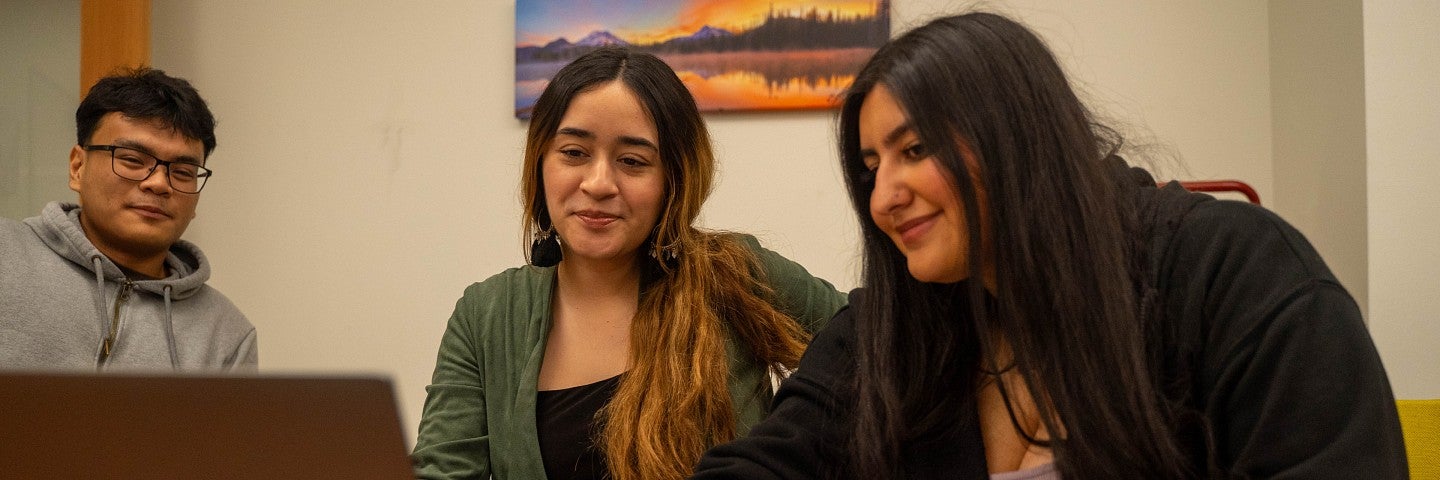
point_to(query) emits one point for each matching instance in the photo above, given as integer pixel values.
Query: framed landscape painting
(734, 55)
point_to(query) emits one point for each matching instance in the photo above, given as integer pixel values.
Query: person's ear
(77, 167)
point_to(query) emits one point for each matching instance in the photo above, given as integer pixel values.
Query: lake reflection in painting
(780, 55)
(735, 81)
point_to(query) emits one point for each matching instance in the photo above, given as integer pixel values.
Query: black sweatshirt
(1273, 350)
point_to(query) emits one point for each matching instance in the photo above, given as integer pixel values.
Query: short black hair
(149, 94)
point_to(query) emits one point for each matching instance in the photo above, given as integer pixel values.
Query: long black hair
(1065, 294)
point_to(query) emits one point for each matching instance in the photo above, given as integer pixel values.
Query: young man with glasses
(108, 283)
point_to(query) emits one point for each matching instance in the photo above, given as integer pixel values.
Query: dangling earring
(545, 250)
(667, 254)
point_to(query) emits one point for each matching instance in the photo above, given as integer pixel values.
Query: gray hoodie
(60, 298)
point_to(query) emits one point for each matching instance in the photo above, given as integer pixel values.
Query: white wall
(39, 89)
(1186, 81)
(367, 165)
(1402, 122)
(1317, 85)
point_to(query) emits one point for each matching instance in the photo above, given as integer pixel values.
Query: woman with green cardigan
(633, 341)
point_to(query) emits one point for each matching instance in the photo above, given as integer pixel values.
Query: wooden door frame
(114, 34)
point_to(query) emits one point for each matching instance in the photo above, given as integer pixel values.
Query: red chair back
(1222, 186)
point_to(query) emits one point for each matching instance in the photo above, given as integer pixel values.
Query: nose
(890, 193)
(158, 182)
(599, 181)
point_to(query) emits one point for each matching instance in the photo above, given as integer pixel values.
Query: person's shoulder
(508, 293)
(839, 334)
(513, 280)
(21, 244)
(747, 240)
(211, 303)
(1234, 231)
(9, 225)
(831, 354)
(767, 258)
(210, 298)
(1231, 216)
(14, 231)
(718, 240)
(505, 307)
(1237, 267)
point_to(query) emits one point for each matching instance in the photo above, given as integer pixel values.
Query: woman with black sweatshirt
(1033, 307)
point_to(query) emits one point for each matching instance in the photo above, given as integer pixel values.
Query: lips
(596, 218)
(151, 211)
(911, 230)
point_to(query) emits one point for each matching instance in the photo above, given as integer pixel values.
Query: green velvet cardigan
(479, 416)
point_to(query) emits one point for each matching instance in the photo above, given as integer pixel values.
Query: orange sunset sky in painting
(644, 22)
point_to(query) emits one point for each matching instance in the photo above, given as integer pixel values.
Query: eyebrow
(134, 145)
(890, 138)
(624, 139)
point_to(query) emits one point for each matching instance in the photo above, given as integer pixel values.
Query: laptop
(151, 426)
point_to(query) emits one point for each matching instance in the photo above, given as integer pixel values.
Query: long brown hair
(669, 406)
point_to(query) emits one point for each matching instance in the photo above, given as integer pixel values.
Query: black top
(565, 422)
(1273, 351)
(134, 275)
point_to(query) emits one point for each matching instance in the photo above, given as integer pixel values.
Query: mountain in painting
(707, 32)
(601, 38)
(562, 49)
(558, 44)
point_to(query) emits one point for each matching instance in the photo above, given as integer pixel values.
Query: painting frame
(733, 55)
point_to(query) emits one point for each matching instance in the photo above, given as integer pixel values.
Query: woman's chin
(601, 252)
(930, 273)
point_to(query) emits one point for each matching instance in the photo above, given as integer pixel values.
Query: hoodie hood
(59, 227)
(1158, 209)
(51, 267)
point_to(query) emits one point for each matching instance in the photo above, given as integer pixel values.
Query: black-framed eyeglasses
(136, 165)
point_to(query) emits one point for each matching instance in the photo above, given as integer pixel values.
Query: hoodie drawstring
(109, 325)
(100, 308)
(170, 332)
